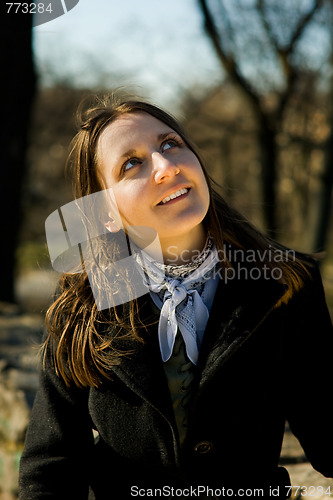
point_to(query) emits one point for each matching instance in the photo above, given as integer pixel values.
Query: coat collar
(239, 307)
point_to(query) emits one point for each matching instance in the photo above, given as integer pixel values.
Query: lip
(173, 190)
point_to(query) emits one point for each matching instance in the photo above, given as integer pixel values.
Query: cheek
(204, 194)
(130, 204)
(203, 183)
(195, 165)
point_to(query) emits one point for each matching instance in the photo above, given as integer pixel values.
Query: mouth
(176, 195)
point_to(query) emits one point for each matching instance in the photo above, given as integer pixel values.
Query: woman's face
(156, 179)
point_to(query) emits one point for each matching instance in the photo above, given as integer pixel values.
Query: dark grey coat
(259, 366)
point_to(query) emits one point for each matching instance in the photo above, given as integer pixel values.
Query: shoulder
(308, 303)
(312, 278)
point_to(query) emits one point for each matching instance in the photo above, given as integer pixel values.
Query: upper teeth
(174, 195)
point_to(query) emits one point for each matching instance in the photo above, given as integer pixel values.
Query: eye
(170, 143)
(130, 163)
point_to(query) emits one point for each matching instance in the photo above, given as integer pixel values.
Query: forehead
(130, 131)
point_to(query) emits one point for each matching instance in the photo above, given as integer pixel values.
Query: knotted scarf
(180, 299)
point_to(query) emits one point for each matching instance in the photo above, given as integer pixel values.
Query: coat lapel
(239, 307)
(142, 371)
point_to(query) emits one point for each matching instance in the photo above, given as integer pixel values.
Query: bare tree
(259, 46)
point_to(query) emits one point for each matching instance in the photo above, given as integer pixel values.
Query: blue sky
(156, 48)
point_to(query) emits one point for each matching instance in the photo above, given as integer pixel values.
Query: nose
(163, 168)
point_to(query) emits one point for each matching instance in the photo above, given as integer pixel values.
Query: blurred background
(252, 82)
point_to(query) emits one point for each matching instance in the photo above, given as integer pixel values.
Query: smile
(174, 195)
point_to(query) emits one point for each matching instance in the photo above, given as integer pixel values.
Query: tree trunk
(269, 160)
(325, 199)
(17, 87)
(266, 134)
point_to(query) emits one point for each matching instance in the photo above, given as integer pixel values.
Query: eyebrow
(160, 137)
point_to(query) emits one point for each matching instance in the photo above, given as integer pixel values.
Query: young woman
(188, 386)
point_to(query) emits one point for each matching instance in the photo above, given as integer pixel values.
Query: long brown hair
(83, 339)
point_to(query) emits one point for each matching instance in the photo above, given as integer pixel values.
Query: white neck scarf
(180, 302)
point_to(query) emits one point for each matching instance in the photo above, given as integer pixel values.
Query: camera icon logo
(48, 10)
(79, 239)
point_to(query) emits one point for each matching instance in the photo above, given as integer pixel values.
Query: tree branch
(267, 27)
(228, 62)
(284, 53)
(302, 24)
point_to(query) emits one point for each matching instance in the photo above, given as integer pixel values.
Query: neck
(176, 251)
(184, 249)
